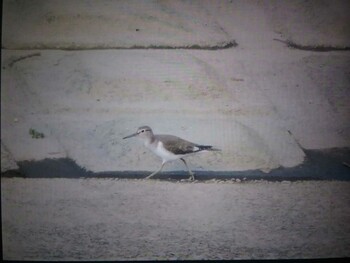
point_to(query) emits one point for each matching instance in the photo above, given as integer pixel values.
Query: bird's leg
(154, 173)
(189, 171)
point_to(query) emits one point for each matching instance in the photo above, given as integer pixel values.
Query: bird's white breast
(163, 153)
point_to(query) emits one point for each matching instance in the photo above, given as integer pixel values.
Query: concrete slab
(8, 163)
(311, 24)
(85, 102)
(309, 92)
(110, 24)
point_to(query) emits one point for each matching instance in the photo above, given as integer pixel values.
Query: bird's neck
(149, 141)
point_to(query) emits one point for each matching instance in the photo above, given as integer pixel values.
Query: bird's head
(143, 132)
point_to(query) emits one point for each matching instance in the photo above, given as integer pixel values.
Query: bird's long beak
(129, 136)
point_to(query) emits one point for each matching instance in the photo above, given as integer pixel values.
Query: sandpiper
(168, 147)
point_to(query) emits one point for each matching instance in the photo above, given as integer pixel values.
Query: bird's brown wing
(177, 145)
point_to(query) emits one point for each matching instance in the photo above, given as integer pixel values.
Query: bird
(168, 147)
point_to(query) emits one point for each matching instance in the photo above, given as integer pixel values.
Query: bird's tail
(207, 147)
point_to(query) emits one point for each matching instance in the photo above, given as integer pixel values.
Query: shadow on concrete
(330, 164)
(216, 46)
(315, 48)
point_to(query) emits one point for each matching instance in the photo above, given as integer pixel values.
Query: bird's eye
(143, 131)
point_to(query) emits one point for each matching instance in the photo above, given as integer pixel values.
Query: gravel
(107, 219)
